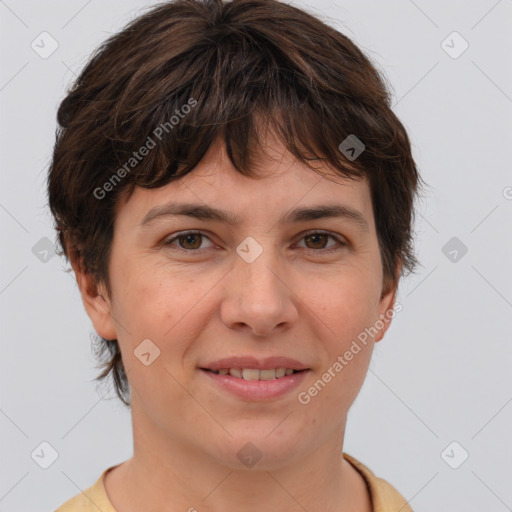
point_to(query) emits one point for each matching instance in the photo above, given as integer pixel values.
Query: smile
(256, 385)
(255, 374)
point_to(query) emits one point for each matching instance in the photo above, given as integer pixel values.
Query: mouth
(255, 374)
(251, 384)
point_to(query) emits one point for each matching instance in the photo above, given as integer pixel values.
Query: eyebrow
(204, 212)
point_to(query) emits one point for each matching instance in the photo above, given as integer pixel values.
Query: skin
(291, 301)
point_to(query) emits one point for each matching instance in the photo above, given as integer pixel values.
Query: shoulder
(92, 499)
(385, 497)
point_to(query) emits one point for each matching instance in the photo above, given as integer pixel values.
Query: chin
(259, 452)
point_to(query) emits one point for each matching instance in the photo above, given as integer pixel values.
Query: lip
(256, 390)
(257, 364)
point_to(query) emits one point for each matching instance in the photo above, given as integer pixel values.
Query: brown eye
(188, 241)
(316, 241)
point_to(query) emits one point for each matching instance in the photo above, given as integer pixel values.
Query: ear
(95, 299)
(386, 305)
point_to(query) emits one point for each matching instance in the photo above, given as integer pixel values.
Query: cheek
(161, 308)
(346, 306)
(335, 386)
(148, 298)
(348, 309)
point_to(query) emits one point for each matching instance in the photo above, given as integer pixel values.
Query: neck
(167, 474)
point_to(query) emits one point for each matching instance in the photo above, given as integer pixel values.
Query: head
(242, 107)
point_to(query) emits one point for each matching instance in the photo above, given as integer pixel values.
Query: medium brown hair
(232, 64)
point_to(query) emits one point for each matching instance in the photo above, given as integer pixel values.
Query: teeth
(235, 372)
(266, 374)
(254, 374)
(248, 374)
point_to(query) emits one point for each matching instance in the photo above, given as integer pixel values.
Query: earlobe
(96, 303)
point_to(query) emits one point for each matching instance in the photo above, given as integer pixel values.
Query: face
(269, 285)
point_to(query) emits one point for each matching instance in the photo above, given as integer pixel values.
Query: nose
(258, 298)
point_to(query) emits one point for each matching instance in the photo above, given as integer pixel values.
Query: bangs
(238, 93)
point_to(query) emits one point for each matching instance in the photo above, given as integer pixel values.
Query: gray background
(441, 374)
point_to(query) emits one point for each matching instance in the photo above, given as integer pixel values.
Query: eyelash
(309, 233)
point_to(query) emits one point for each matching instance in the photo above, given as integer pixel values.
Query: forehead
(282, 182)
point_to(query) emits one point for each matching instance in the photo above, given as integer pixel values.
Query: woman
(235, 197)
